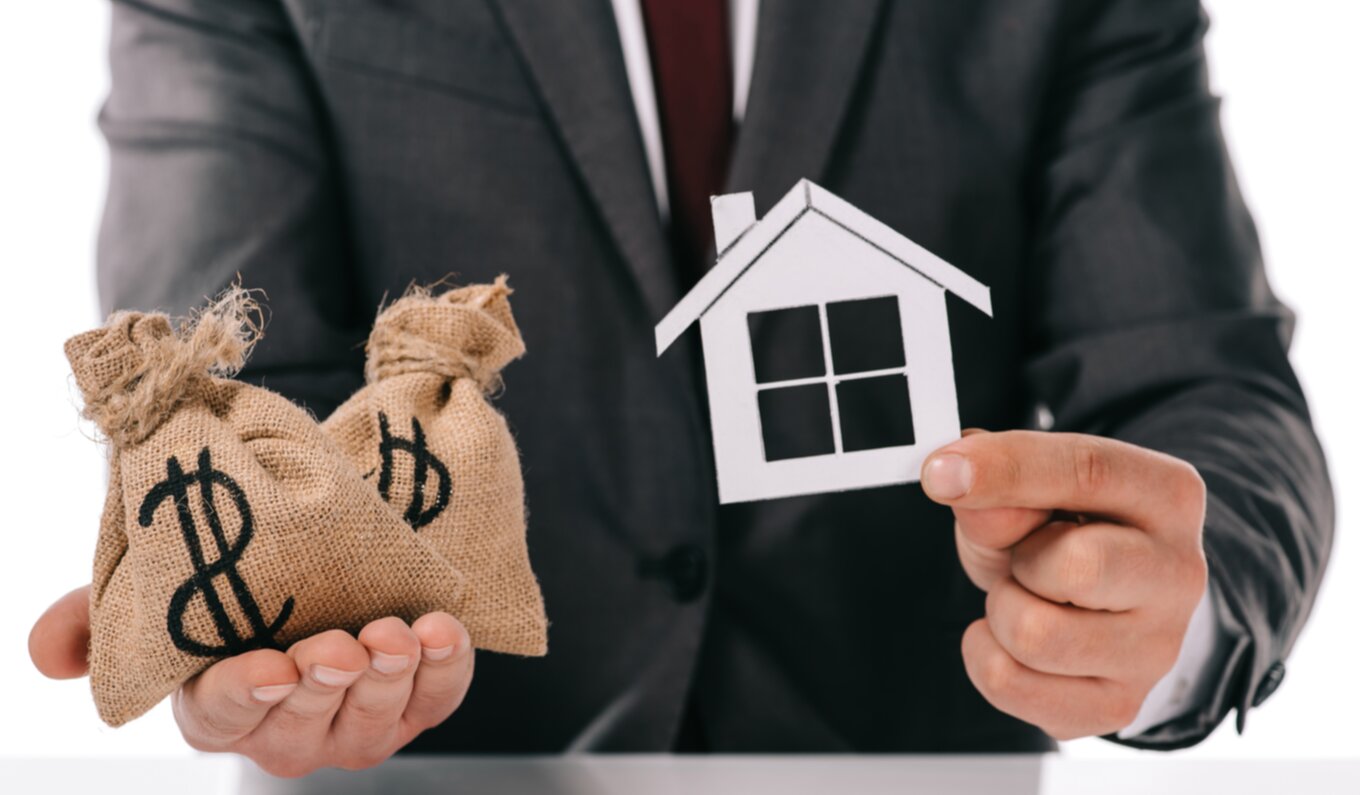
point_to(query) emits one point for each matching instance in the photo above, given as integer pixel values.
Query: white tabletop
(786, 775)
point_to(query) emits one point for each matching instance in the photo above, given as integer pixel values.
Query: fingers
(1071, 641)
(999, 528)
(1098, 566)
(332, 699)
(984, 538)
(59, 642)
(229, 700)
(1083, 616)
(444, 675)
(365, 730)
(296, 730)
(1071, 472)
(1065, 707)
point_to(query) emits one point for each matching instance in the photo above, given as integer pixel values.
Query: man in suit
(1139, 568)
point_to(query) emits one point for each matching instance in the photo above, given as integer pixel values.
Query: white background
(1290, 75)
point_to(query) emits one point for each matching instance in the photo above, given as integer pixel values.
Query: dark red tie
(692, 69)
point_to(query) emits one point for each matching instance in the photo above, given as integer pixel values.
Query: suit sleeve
(1153, 323)
(221, 167)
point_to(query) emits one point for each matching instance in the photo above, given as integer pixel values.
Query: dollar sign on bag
(425, 462)
(176, 488)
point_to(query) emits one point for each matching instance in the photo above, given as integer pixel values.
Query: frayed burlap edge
(128, 405)
(392, 350)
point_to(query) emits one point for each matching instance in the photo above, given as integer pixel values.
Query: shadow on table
(607, 775)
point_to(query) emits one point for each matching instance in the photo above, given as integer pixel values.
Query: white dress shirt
(1192, 679)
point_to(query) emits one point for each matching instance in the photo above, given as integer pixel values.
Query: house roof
(806, 197)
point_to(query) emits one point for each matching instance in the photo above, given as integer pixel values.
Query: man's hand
(330, 701)
(1089, 551)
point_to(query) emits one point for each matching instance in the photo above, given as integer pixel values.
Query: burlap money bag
(425, 436)
(232, 521)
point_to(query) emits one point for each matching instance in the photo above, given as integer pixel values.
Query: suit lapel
(572, 50)
(808, 59)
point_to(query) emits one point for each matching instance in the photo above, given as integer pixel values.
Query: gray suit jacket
(1066, 154)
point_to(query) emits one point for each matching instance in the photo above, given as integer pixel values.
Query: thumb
(59, 642)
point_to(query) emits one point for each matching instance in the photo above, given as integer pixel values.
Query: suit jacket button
(684, 569)
(1269, 684)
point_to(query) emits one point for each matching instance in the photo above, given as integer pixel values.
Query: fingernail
(390, 663)
(441, 653)
(334, 677)
(271, 693)
(948, 477)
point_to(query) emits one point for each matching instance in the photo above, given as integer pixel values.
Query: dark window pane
(875, 412)
(787, 344)
(865, 335)
(795, 421)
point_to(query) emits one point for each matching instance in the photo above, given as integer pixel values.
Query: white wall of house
(817, 262)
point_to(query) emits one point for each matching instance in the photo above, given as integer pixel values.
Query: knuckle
(1196, 576)
(426, 716)
(997, 673)
(373, 711)
(440, 698)
(1082, 566)
(1090, 466)
(1185, 574)
(1032, 634)
(236, 699)
(435, 696)
(289, 713)
(1188, 490)
(429, 711)
(209, 727)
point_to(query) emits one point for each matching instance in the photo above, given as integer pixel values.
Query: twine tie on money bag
(428, 440)
(232, 522)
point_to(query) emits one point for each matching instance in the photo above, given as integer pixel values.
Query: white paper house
(821, 257)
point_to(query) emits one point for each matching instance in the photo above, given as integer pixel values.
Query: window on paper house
(831, 378)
